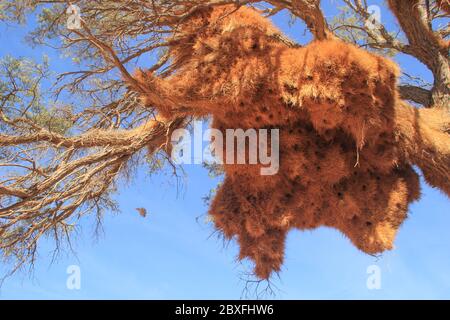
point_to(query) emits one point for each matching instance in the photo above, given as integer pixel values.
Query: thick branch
(13, 192)
(416, 94)
(90, 139)
(425, 45)
(310, 12)
(424, 137)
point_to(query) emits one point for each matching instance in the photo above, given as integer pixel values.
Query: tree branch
(424, 137)
(425, 45)
(310, 12)
(416, 94)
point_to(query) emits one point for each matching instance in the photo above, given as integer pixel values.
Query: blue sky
(172, 255)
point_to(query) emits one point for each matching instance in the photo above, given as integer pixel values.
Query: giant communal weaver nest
(347, 141)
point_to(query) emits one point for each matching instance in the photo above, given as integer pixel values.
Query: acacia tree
(65, 150)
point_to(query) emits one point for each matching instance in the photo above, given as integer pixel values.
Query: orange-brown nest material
(347, 141)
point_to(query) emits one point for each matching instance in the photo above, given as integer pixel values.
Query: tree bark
(427, 46)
